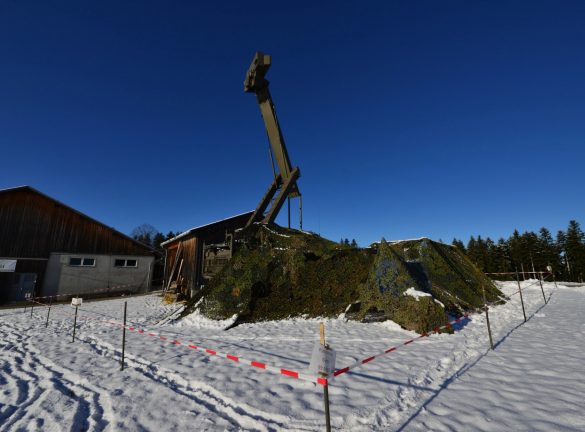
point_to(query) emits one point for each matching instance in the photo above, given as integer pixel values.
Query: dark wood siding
(33, 225)
(192, 248)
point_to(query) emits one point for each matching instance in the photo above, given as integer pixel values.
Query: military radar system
(284, 186)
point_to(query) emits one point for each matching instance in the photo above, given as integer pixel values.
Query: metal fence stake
(48, 311)
(541, 287)
(326, 386)
(74, 324)
(124, 336)
(521, 298)
(487, 318)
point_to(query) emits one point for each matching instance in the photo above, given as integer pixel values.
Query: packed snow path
(532, 381)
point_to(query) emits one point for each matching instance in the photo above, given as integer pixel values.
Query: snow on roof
(189, 231)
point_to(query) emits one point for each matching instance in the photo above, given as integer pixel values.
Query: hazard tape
(322, 380)
(210, 352)
(238, 359)
(396, 347)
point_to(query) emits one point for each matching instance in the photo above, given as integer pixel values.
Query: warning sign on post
(76, 301)
(322, 360)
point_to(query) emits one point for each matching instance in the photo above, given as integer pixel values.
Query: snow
(416, 294)
(532, 381)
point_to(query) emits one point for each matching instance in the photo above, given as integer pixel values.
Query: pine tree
(575, 250)
(459, 245)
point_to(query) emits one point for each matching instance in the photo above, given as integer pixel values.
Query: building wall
(192, 249)
(33, 225)
(103, 277)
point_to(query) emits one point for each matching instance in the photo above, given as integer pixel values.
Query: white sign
(76, 301)
(27, 295)
(549, 268)
(322, 360)
(7, 265)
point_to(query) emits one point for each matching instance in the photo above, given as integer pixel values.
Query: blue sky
(407, 119)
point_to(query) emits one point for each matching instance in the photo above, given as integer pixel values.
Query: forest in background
(531, 251)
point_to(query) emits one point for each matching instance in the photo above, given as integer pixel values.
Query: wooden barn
(196, 255)
(49, 249)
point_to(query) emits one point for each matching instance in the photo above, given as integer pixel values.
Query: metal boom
(285, 181)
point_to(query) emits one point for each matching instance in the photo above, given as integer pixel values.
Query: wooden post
(74, 324)
(521, 298)
(48, 311)
(487, 318)
(301, 212)
(124, 336)
(554, 279)
(541, 287)
(326, 386)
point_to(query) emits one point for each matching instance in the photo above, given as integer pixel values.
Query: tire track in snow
(27, 369)
(239, 415)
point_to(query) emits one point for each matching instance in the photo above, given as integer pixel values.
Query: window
(82, 262)
(118, 262)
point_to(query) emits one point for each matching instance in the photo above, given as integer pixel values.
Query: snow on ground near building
(532, 381)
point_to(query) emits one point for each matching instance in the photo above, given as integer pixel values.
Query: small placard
(549, 268)
(7, 265)
(322, 360)
(76, 301)
(27, 295)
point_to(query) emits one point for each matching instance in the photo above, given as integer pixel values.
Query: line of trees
(150, 236)
(531, 251)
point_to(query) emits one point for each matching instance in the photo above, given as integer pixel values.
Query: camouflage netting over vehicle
(277, 273)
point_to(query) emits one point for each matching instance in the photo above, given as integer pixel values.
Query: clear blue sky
(407, 119)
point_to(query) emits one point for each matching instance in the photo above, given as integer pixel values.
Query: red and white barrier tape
(396, 347)
(237, 359)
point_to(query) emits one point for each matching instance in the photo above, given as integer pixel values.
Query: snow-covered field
(534, 380)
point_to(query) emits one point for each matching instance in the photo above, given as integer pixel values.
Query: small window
(125, 263)
(82, 262)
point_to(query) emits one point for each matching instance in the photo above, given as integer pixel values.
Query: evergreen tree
(575, 250)
(354, 243)
(459, 245)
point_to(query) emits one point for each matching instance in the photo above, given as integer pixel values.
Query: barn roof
(206, 226)
(36, 191)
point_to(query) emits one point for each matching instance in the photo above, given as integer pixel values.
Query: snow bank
(532, 381)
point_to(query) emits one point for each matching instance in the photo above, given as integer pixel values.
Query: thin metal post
(487, 318)
(288, 199)
(521, 298)
(554, 279)
(124, 336)
(49, 311)
(32, 305)
(74, 324)
(541, 287)
(326, 386)
(301, 212)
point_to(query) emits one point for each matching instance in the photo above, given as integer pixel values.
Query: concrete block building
(47, 249)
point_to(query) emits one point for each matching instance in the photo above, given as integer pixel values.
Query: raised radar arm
(285, 182)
